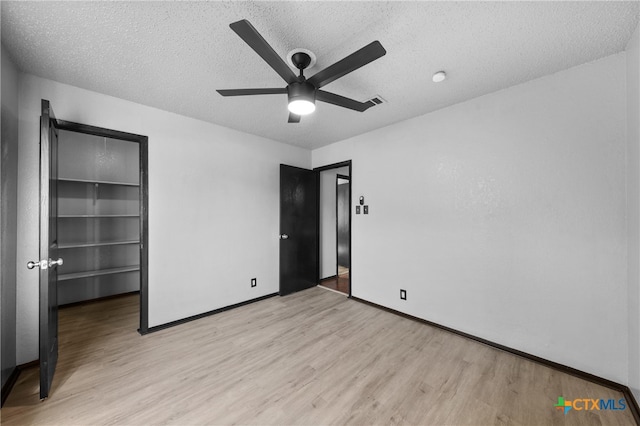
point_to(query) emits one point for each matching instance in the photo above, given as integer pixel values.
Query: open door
(298, 229)
(49, 260)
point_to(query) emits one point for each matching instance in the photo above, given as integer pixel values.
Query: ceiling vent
(377, 99)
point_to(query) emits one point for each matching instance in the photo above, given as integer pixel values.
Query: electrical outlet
(366, 209)
(403, 294)
(357, 209)
(254, 282)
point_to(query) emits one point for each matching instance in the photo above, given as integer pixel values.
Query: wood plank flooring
(339, 283)
(314, 357)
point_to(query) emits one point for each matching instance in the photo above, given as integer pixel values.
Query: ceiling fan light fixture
(302, 98)
(301, 107)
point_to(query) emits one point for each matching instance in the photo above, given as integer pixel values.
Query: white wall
(8, 236)
(504, 216)
(213, 205)
(328, 259)
(633, 208)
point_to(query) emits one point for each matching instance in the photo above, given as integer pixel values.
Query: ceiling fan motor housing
(301, 91)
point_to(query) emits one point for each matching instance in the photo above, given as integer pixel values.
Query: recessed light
(439, 76)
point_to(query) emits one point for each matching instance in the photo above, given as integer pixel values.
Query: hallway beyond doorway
(339, 283)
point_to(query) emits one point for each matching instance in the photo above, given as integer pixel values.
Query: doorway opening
(302, 262)
(334, 206)
(102, 216)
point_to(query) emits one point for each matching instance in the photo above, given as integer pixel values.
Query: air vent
(377, 99)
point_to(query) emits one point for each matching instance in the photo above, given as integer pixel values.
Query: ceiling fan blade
(252, 37)
(293, 118)
(369, 53)
(245, 92)
(338, 100)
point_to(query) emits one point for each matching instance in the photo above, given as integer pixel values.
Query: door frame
(347, 163)
(143, 142)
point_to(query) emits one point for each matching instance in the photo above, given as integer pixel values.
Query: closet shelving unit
(98, 227)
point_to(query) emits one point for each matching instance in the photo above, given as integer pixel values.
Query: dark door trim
(322, 169)
(143, 142)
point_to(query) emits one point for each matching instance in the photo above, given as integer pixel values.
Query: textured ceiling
(173, 55)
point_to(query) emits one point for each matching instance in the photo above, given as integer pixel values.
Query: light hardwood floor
(313, 357)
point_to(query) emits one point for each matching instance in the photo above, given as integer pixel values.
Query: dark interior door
(298, 229)
(48, 248)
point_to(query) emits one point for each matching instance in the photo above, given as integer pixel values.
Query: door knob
(58, 262)
(43, 264)
(284, 236)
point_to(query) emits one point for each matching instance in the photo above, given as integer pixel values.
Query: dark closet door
(48, 248)
(298, 229)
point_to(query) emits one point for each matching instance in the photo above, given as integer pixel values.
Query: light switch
(366, 209)
(357, 209)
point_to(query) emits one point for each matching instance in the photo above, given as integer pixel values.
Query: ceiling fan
(303, 92)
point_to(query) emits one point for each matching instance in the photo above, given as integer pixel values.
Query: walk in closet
(98, 217)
